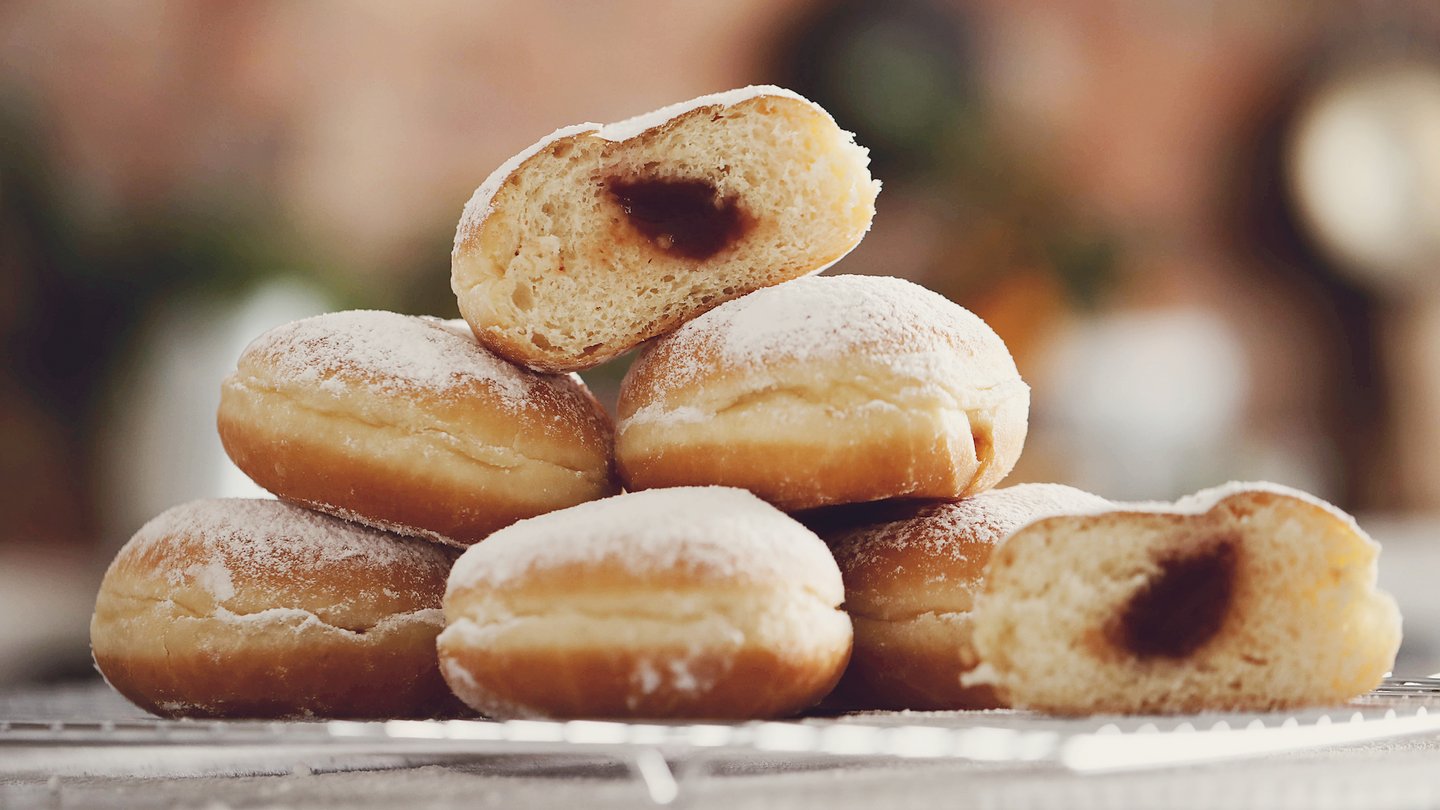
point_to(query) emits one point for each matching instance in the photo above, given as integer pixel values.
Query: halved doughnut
(1246, 597)
(599, 237)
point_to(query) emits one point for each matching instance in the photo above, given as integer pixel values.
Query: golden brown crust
(914, 663)
(314, 460)
(472, 394)
(911, 573)
(235, 608)
(738, 685)
(291, 668)
(805, 476)
(449, 457)
(898, 577)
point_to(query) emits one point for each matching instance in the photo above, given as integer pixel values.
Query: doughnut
(259, 609)
(407, 424)
(700, 602)
(825, 390)
(598, 237)
(911, 575)
(1246, 597)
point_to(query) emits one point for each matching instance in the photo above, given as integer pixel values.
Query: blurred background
(1209, 231)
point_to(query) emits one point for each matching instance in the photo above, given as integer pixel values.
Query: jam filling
(684, 217)
(1180, 610)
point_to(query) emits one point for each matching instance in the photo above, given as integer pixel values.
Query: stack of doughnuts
(799, 491)
(390, 441)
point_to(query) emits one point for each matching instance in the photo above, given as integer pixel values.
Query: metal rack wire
(665, 757)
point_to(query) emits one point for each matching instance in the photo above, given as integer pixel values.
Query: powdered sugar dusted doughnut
(690, 602)
(407, 424)
(1246, 597)
(826, 390)
(911, 575)
(599, 237)
(255, 608)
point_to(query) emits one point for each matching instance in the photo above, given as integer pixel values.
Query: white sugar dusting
(631, 127)
(399, 354)
(649, 679)
(948, 529)
(481, 203)
(914, 329)
(657, 413)
(213, 577)
(352, 516)
(261, 539)
(827, 315)
(1207, 499)
(723, 531)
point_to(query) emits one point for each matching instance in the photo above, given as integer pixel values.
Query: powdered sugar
(1207, 499)
(950, 530)
(827, 315)
(657, 413)
(213, 577)
(352, 516)
(393, 353)
(481, 203)
(915, 330)
(722, 532)
(260, 539)
(631, 127)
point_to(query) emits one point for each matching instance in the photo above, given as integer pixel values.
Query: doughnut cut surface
(1248, 597)
(599, 237)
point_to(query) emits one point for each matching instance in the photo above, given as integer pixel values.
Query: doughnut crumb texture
(407, 424)
(826, 390)
(599, 237)
(912, 571)
(1247, 597)
(693, 603)
(259, 609)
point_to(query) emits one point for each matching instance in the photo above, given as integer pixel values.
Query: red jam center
(684, 217)
(1180, 610)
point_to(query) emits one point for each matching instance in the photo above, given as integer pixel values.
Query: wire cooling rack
(665, 756)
